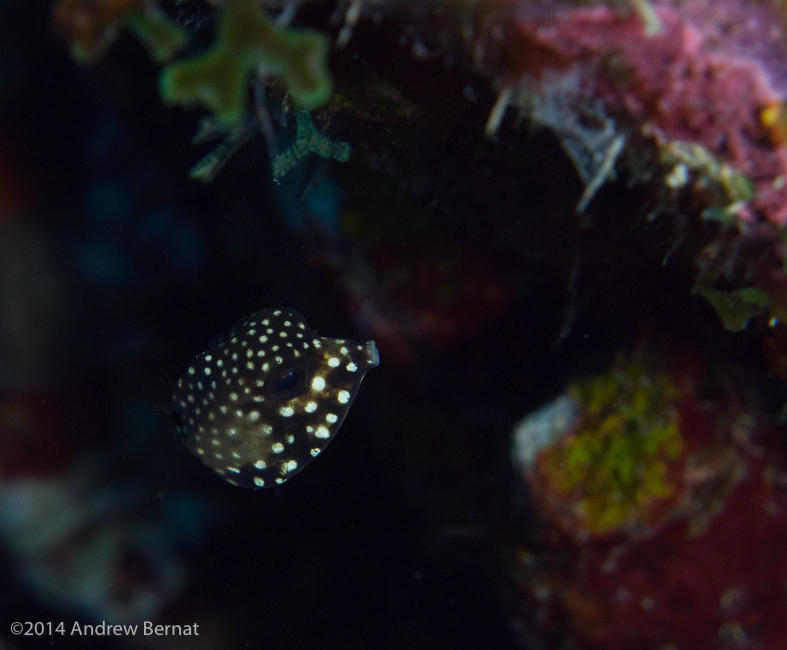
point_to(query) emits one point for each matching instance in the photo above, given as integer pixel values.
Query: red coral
(711, 572)
(695, 591)
(678, 81)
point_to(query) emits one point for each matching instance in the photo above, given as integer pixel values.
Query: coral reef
(647, 528)
(674, 83)
(532, 186)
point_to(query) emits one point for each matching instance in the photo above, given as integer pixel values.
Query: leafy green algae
(248, 41)
(736, 308)
(160, 35)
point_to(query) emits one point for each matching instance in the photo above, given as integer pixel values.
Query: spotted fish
(268, 396)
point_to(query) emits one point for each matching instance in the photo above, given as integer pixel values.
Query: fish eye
(289, 382)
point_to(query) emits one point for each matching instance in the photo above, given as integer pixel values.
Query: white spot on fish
(322, 432)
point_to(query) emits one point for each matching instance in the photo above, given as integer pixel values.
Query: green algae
(247, 42)
(162, 37)
(308, 140)
(736, 308)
